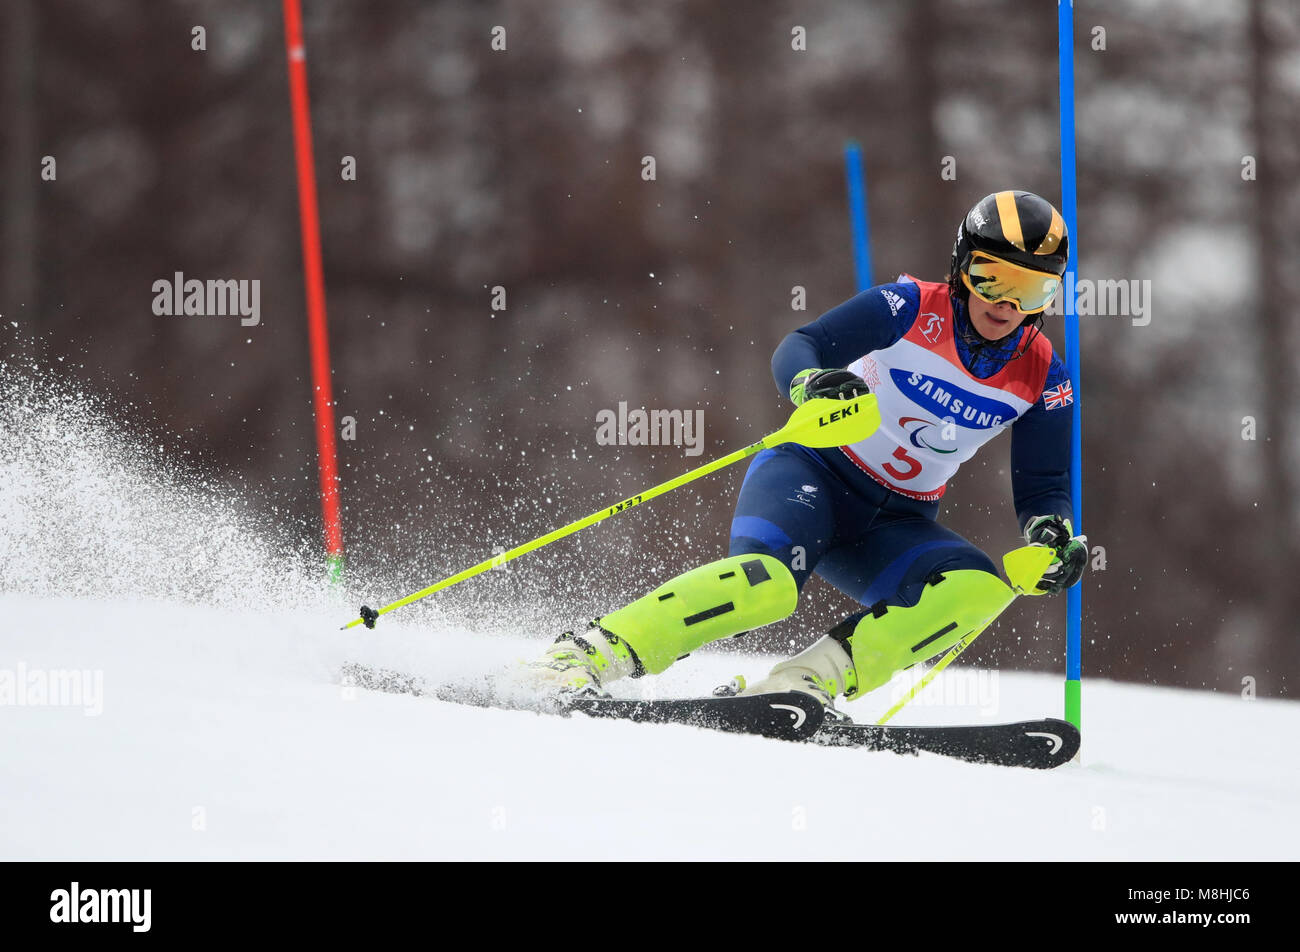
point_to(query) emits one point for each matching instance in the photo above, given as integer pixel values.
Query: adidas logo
(895, 301)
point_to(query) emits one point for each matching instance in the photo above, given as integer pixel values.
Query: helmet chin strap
(1037, 325)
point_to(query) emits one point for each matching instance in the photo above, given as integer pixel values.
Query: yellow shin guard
(892, 638)
(719, 600)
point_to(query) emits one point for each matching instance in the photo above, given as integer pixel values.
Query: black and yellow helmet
(1018, 227)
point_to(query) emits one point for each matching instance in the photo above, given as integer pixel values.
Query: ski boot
(577, 664)
(825, 670)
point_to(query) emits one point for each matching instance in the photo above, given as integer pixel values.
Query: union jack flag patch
(1061, 396)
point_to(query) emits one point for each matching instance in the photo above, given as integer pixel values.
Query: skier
(952, 365)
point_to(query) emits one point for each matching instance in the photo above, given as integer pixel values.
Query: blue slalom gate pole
(1074, 594)
(858, 214)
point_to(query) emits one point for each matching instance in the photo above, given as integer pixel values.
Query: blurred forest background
(522, 169)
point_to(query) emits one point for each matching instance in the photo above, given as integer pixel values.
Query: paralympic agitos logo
(947, 401)
(914, 433)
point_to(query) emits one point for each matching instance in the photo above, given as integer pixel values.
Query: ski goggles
(992, 279)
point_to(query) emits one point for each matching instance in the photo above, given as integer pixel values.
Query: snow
(236, 723)
(194, 725)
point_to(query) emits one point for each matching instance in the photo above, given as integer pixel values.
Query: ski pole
(938, 666)
(1024, 567)
(818, 423)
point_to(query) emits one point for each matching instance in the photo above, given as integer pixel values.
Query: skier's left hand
(1071, 552)
(835, 383)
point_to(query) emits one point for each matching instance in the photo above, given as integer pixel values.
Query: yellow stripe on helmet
(1010, 216)
(1055, 232)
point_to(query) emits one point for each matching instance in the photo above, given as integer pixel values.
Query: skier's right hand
(836, 383)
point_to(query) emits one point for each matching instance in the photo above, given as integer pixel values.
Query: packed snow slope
(226, 735)
(147, 712)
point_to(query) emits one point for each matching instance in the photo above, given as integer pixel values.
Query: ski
(795, 716)
(364, 676)
(1040, 744)
(789, 716)
(792, 715)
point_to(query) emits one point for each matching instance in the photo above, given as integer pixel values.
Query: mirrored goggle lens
(996, 280)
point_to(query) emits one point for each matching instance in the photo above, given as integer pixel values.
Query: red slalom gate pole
(323, 396)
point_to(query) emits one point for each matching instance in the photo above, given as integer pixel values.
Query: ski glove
(836, 384)
(1071, 552)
